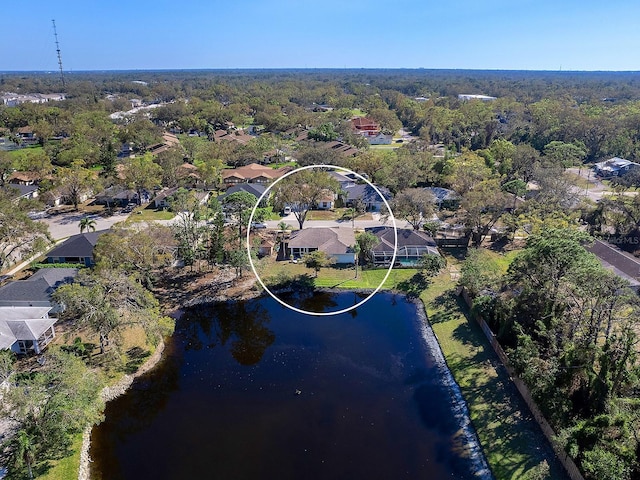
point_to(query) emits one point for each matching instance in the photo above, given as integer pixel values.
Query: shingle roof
(254, 189)
(331, 240)
(366, 193)
(77, 246)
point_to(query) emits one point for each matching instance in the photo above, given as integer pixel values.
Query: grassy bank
(509, 436)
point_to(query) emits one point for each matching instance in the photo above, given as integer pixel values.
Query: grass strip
(511, 440)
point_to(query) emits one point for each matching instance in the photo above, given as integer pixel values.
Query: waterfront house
(412, 245)
(36, 291)
(26, 329)
(336, 242)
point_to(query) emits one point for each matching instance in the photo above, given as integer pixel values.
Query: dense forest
(569, 326)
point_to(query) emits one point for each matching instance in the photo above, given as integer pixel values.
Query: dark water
(255, 391)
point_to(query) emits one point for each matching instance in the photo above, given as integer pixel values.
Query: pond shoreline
(107, 394)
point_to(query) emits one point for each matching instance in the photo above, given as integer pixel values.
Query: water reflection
(241, 323)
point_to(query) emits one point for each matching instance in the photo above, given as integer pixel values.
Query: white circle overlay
(344, 310)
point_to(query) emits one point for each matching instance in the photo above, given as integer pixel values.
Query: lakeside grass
(512, 442)
(66, 468)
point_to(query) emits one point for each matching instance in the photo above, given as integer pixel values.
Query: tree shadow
(449, 306)
(414, 286)
(136, 356)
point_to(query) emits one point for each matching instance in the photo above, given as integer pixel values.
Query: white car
(257, 225)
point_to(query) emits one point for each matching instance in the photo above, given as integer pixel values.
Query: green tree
(75, 181)
(303, 190)
(317, 260)
(141, 173)
(366, 241)
(88, 224)
(238, 206)
(483, 206)
(20, 237)
(414, 205)
(430, 265)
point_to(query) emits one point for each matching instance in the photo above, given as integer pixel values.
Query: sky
(446, 34)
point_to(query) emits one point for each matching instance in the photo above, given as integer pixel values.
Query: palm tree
(25, 450)
(87, 224)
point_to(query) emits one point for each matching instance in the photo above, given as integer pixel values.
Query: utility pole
(55, 34)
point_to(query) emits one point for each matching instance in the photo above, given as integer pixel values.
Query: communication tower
(55, 34)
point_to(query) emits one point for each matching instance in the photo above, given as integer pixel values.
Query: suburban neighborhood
(515, 234)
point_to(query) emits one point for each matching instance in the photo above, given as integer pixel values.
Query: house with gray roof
(255, 189)
(36, 291)
(75, 249)
(614, 167)
(336, 242)
(444, 197)
(25, 329)
(412, 245)
(367, 195)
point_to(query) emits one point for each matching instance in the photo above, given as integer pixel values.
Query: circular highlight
(344, 310)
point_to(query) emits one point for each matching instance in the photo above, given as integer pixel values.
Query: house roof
(331, 240)
(254, 170)
(77, 246)
(167, 192)
(406, 238)
(361, 122)
(22, 190)
(443, 194)
(23, 323)
(254, 189)
(366, 193)
(54, 276)
(30, 329)
(24, 176)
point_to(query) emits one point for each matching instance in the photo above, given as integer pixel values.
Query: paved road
(596, 189)
(359, 224)
(66, 224)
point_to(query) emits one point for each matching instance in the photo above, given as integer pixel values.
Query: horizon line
(54, 71)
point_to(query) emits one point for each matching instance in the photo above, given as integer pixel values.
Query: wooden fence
(566, 461)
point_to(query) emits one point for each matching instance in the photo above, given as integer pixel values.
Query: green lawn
(512, 442)
(335, 277)
(67, 467)
(142, 214)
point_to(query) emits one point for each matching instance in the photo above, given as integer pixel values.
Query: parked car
(258, 225)
(286, 210)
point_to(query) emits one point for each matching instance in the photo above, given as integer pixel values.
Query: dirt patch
(178, 287)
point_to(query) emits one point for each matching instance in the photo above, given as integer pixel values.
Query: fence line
(566, 461)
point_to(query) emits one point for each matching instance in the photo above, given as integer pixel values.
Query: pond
(254, 390)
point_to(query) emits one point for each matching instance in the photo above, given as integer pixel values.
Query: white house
(25, 329)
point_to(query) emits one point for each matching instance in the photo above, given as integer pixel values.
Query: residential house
(24, 178)
(614, 167)
(26, 329)
(343, 149)
(253, 173)
(18, 191)
(75, 249)
(412, 245)
(162, 199)
(254, 189)
(468, 96)
(366, 194)
(365, 126)
(27, 135)
(326, 201)
(380, 139)
(36, 290)
(336, 242)
(621, 263)
(444, 197)
(343, 179)
(116, 196)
